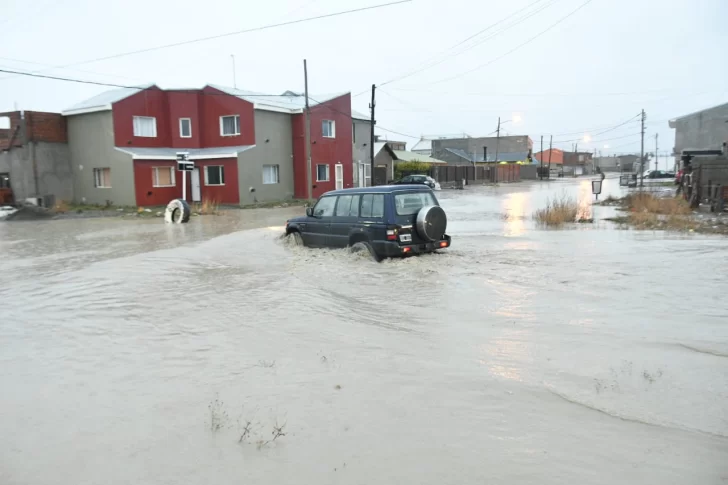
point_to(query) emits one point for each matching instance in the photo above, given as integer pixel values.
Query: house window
(230, 125)
(328, 129)
(214, 175)
(145, 126)
(102, 178)
(163, 177)
(322, 173)
(270, 174)
(185, 128)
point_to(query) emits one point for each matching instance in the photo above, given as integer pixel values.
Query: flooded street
(135, 352)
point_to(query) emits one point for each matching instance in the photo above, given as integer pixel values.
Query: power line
(48, 65)
(432, 63)
(518, 46)
(228, 34)
(348, 115)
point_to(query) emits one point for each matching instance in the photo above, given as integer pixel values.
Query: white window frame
(181, 134)
(207, 176)
(237, 125)
(277, 174)
(333, 128)
(145, 118)
(328, 172)
(97, 178)
(155, 176)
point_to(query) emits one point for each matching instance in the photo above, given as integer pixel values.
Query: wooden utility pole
(371, 141)
(642, 152)
(309, 183)
(541, 173)
(497, 141)
(551, 144)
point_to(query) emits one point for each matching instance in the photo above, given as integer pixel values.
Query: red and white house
(247, 147)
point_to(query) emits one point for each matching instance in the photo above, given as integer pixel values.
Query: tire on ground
(178, 212)
(364, 247)
(431, 223)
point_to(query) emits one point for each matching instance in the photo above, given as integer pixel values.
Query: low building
(423, 147)
(247, 147)
(495, 147)
(388, 154)
(702, 130)
(622, 163)
(508, 157)
(361, 157)
(34, 159)
(552, 156)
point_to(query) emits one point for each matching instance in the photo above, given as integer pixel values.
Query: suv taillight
(392, 232)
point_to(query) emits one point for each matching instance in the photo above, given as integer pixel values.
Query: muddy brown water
(133, 352)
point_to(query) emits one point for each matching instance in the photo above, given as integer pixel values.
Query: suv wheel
(365, 247)
(295, 238)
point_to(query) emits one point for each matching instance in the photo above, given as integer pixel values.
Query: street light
(515, 120)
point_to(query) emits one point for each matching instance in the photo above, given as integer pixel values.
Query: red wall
(149, 102)
(328, 151)
(148, 195)
(203, 107)
(557, 156)
(216, 104)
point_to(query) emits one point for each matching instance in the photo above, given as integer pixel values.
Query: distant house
(496, 147)
(702, 130)
(508, 157)
(35, 162)
(423, 147)
(386, 157)
(247, 147)
(554, 156)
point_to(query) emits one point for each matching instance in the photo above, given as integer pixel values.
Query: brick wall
(39, 126)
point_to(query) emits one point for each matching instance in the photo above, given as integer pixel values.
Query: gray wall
(706, 130)
(529, 172)
(54, 170)
(277, 129)
(362, 146)
(91, 143)
(475, 145)
(383, 158)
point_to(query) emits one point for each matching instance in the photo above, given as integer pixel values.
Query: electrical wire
(562, 19)
(348, 115)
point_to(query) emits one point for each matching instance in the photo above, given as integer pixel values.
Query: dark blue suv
(386, 221)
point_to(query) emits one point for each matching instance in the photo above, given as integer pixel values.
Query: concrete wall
(506, 144)
(383, 158)
(706, 130)
(91, 144)
(277, 150)
(53, 168)
(361, 146)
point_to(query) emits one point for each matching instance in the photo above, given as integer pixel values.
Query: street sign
(184, 164)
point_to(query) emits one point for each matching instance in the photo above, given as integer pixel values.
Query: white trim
(134, 118)
(174, 157)
(267, 107)
(180, 128)
(328, 172)
(81, 111)
(223, 176)
(239, 127)
(333, 129)
(155, 175)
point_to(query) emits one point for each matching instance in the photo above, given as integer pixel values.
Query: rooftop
(380, 189)
(672, 121)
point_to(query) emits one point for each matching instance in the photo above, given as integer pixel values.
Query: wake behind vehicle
(386, 221)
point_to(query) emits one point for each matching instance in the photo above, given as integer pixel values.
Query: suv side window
(372, 205)
(325, 207)
(348, 206)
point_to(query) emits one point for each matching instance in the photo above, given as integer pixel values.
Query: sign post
(597, 187)
(184, 165)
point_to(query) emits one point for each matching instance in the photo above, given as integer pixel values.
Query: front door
(196, 185)
(339, 170)
(362, 175)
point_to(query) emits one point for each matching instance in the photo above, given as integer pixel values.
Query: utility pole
(642, 152)
(656, 157)
(551, 144)
(372, 105)
(541, 174)
(235, 81)
(309, 183)
(497, 140)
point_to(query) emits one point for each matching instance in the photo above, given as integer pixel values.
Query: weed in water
(276, 433)
(557, 212)
(218, 416)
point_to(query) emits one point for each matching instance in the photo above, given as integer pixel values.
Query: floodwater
(133, 352)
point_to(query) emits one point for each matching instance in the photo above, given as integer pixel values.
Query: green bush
(414, 167)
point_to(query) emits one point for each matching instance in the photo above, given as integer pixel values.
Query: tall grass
(646, 202)
(207, 207)
(558, 211)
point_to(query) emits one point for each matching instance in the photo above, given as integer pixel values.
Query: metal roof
(103, 101)
(423, 144)
(140, 153)
(478, 157)
(360, 116)
(289, 101)
(407, 156)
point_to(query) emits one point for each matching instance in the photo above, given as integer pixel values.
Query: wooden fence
(453, 174)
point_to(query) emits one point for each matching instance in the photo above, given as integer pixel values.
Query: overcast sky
(590, 72)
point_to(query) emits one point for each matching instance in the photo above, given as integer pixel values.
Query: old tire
(431, 223)
(365, 247)
(177, 212)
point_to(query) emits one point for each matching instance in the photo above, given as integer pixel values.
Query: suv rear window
(411, 203)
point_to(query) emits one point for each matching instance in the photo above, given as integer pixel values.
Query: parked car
(419, 179)
(386, 221)
(659, 174)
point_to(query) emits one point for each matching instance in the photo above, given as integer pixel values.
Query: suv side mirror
(309, 211)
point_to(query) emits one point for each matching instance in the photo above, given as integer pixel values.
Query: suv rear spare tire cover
(431, 223)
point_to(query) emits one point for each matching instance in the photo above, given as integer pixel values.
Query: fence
(448, 175)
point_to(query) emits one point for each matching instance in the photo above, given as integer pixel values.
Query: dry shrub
(61, 207)
(558, 211)
(646, 202)
(207, 207)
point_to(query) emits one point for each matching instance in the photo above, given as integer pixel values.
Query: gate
(380, 176)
